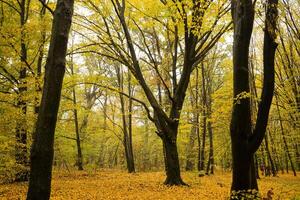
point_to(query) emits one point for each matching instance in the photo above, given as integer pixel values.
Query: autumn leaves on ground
(112, 184)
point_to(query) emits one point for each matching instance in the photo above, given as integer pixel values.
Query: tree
(126, 121)
(186, 42)
(21, 129)
(246, 141)
(42, 148)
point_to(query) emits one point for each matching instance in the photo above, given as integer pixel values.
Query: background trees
(20, 50)
(185, 43)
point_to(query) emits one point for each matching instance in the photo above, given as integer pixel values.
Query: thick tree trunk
(246, 141)
(172, 163)
(43, 140)
(243, 177)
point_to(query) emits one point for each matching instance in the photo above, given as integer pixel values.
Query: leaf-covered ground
(110, 184)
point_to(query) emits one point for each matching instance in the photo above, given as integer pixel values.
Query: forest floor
(111, 184)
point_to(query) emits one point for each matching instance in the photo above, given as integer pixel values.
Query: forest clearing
(112, 184)
(149, 99)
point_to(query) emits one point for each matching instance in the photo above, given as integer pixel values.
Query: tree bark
(244, 141)
(42, 148)
(173, 167)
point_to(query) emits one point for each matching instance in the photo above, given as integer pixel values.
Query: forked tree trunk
(166, 123)
(244, 140)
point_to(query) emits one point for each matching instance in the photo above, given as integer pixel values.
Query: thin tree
(21, 129)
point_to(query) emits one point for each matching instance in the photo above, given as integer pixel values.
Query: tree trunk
(21, 126)
(42, 147)
(204, 115)
(199, 146)
(130, 102)
(127, 127)
(242, 177)
(210, 164)
(79, 161)
(172, 163)
(244, 140)
(240, 127)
